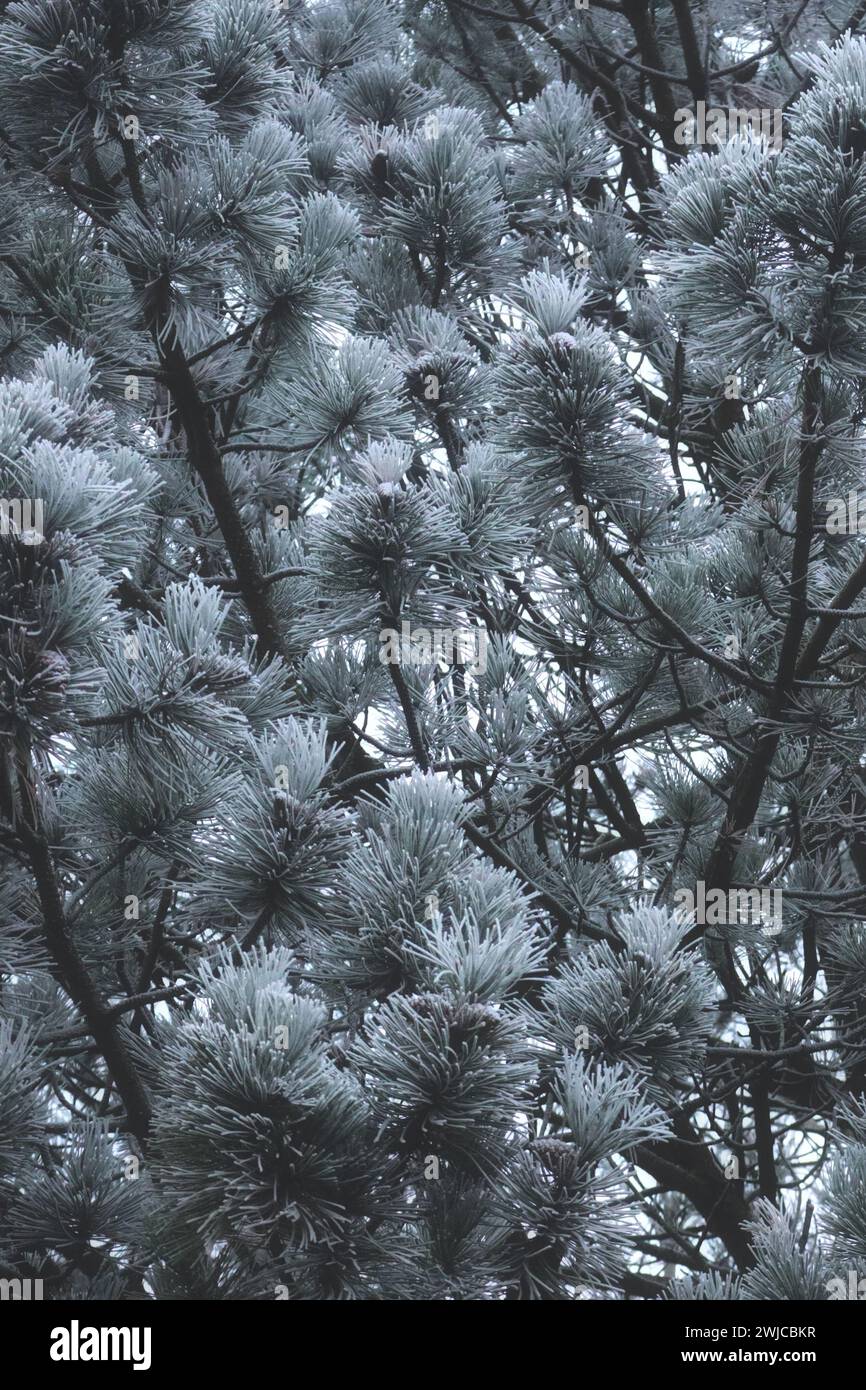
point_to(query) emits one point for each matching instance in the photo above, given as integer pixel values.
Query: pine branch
(73, 973)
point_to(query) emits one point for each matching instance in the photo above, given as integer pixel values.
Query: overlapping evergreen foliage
(329, 978)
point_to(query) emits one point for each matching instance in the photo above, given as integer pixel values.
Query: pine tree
(432, 816)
